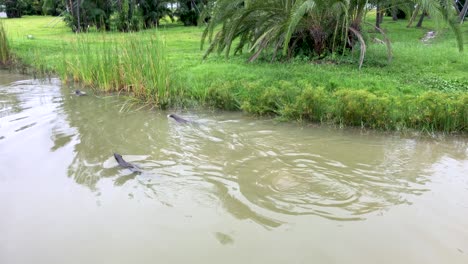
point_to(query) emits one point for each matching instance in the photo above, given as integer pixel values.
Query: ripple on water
(287, 179)
(296, 192)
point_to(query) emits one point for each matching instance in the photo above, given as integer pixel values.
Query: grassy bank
(424, 87)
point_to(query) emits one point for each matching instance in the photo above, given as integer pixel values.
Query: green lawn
(422, 80)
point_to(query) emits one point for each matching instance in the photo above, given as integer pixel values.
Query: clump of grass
(5, 53)
(129, 65)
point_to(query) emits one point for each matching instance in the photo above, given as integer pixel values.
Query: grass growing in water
(130, 65)
(4, 47)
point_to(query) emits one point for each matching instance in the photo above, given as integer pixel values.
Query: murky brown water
(228, 189)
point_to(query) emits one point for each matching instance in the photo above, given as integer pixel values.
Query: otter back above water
(238, 189)
(125, 164)
(179, 119)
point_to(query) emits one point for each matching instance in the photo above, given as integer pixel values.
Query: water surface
(228, 188)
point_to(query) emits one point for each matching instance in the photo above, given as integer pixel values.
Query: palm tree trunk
(413, 17)
(463, 11)
(70, 6)
(421, 19)
(455, 5)
(378, 19)
(78, 14)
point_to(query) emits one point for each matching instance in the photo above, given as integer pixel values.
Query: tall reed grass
(133, 65)
(5, 53)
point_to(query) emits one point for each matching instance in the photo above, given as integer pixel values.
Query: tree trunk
(79, 19)
(70, 6)
(378, 19)
(131, 7)
(421, 19)
(394, 13)
(413, 17)
(455, 5)
(463, 11)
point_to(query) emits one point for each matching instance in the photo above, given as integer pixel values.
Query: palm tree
(291, 27)
(309, 27)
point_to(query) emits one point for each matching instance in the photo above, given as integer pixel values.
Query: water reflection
(223, 238)
(255, 170)
(10, 104)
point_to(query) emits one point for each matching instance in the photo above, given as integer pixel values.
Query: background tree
(189, 11)
(53, 7)
(17, 8)
(128, 16)
(13, 8)
(82, 14)
(32, 7)
(154, 10)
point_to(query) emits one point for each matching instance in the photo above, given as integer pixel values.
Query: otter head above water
(178, 118)
(79, 93)
(118, 157)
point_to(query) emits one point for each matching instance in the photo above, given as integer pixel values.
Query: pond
(227, 188)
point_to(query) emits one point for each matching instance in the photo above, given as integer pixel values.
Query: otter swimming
(178, 119)
(125, 164)
(79, 93)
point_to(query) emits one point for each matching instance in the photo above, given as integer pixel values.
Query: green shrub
(439, 111)
(312, 104)
(221, 96)
(270, 100)
(362, 108)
